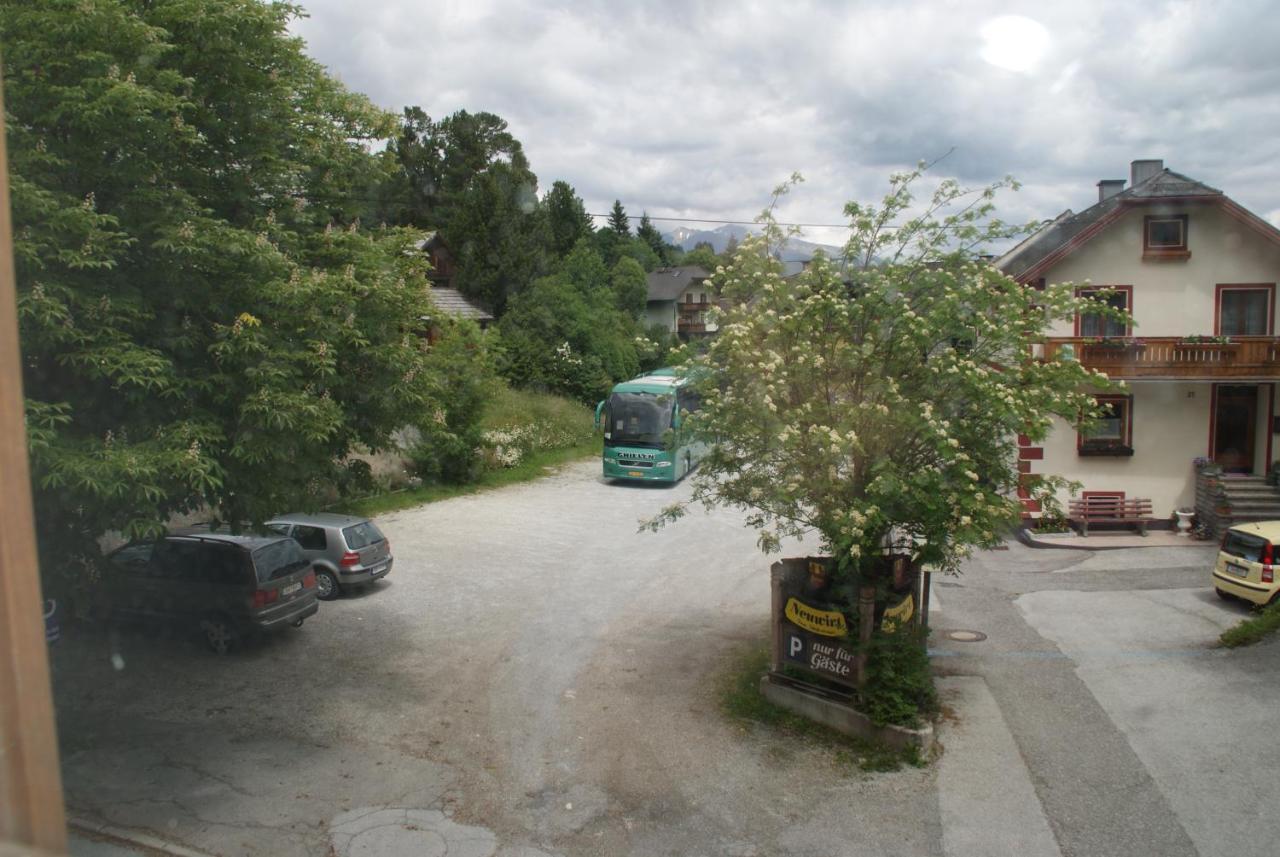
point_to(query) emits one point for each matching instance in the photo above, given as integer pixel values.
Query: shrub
(899, 686)
(451, 433)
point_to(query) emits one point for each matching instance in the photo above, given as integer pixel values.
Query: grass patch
(512, 407)
(524, 434)
(533, 466)
(741, 700)
(1254, 629)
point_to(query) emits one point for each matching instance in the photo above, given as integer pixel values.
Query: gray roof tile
(667, 284)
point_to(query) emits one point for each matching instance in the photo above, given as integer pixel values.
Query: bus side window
(689, 401)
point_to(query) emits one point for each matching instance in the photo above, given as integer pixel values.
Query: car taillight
(1267, 556)
(349, 558)
(309, 581)
(263, 597)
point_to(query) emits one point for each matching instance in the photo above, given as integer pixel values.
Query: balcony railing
(1173, 357)
(694, 306)
(691, 326)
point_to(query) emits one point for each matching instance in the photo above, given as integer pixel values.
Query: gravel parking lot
(538, 678)
(533, 669)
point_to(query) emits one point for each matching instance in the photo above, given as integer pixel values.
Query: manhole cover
(966, 636)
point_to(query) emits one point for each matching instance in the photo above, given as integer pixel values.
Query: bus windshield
(639, 419)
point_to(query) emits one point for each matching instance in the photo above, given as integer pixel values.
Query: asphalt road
(538, 678)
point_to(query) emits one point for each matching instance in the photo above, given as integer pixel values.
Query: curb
(132, 837)
(1024, 535)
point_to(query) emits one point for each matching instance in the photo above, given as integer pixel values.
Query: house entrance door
(1235, 420)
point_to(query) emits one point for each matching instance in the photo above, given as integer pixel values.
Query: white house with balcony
(1197, 273)
(679, 299)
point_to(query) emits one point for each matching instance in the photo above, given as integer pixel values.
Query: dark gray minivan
(227, 585)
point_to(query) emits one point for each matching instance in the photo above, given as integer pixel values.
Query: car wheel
(326, 585)
(219, 633)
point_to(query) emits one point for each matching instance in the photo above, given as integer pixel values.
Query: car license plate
(1237, 570)
(290, 589)
(635, 473)
(378, 569)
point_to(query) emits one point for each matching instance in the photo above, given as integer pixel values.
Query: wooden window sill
(1165, 255)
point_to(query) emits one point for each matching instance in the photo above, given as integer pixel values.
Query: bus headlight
(662, 464)
(608, 460)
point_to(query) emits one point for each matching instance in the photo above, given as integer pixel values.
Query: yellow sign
(828, 623)
(898, 613)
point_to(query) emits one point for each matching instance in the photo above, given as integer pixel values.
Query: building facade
(1197, 273)
(679, 299)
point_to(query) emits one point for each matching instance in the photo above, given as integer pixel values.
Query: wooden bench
(1110, 510)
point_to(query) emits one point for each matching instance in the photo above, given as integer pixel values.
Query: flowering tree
(881, 400)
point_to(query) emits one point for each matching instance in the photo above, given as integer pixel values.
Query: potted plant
(1184, 516)
(1206, 466)
(1204, 339)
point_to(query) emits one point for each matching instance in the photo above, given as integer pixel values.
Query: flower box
(1104, 450)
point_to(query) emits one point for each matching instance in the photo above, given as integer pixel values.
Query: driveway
(534, 677)
(538, 678)
(1139, 734)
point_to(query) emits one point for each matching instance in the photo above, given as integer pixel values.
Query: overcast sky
(691, 109)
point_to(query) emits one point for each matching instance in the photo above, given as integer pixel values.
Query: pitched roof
(1067, 230)
(667, 284)
(452, 302)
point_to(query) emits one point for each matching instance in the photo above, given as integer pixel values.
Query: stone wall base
(830, 712)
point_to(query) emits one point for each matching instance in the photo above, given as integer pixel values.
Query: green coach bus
(643, 435)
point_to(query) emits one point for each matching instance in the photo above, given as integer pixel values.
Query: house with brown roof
(1197, 273)
(438, 253)
(679, 298)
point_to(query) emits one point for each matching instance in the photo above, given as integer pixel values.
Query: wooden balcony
(1174, 357)
(694, 306)
(691, 326)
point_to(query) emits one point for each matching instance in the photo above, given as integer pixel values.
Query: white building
(1198, 274)
(679, 299)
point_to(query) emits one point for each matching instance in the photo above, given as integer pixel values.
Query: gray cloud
(698, 109)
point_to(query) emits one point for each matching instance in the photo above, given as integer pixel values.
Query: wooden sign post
(31, 811)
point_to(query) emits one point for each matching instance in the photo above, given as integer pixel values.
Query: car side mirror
(675, 417)
(599, 411)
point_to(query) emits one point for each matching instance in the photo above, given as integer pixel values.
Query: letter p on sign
(795, 644)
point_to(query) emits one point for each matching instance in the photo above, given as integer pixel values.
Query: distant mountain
(795, 250)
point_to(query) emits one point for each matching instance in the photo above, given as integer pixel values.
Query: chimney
(1108, 188)
(1140, 171)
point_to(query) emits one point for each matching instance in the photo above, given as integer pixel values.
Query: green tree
(884, 408)
(566, 333)
(647, 233)
(730, 249)
(438, 162)
(464, 381)
(618, 220)
(203, 324)
(567, 218)
(630, 287)
(499, 236)
(702, 256)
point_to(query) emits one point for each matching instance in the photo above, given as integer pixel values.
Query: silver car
(345, 550)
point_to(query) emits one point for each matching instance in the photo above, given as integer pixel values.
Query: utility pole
(31, 811)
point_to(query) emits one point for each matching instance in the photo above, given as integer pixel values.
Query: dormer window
(1165, 236)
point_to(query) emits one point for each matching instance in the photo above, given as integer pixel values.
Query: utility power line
(730, 222)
